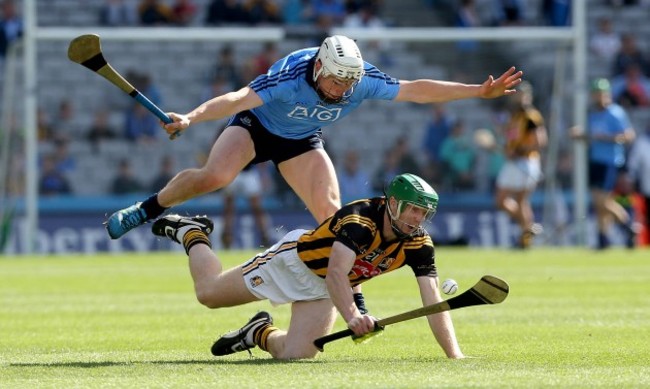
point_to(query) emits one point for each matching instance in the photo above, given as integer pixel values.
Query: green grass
(574, 318)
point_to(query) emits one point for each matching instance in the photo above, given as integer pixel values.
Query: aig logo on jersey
(318, 112)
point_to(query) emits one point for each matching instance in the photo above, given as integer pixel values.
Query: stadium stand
(182, 79)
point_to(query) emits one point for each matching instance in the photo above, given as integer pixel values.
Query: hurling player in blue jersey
(279, 117)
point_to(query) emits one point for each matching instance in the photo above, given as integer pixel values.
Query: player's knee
(206, 297)
(292, 354)
(327, 209)
(211, 181)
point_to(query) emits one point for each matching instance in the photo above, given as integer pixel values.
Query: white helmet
(340, 57)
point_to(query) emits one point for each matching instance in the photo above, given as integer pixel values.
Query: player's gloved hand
(363, 338)
(360, 302)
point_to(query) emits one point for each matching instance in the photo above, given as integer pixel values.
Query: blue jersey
(292, 109)
(611, 121)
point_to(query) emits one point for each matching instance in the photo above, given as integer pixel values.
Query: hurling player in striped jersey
(315, 270)
(279, 117)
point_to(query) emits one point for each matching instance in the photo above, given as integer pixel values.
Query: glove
(364, 338)
(360, 302)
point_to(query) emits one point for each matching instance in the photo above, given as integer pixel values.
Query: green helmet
(409, 189)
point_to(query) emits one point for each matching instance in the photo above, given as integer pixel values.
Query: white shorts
(281, 277)
(520, 174)
(248, 183)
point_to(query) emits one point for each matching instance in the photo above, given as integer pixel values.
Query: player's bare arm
(440, 323)
(217, 108)
(436, 91)
(338, 286)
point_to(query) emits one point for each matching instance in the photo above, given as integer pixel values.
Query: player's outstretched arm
(217, 108)
(436, 91)
(440, 323)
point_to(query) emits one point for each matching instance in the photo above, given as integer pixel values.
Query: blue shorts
(270, 147)
(603, 176)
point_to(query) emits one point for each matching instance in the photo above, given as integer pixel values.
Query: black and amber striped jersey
(521, 132)
(358, 225)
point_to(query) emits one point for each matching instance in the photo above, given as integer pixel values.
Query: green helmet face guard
(410, 190)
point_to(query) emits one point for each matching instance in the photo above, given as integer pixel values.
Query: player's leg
(312, 176)
(229, 198)
(255, 202)
(253, 189)
(504, 189)
(526, 219)
(309, 320)
(230, 153)
(505, 202)
(214, 288)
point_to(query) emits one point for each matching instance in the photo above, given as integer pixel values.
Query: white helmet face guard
(339, 57)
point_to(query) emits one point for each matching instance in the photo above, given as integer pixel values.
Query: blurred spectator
(458, 156)
(262, 61)
(44, 128)
(225, 12)
(65, 123)
(125, 182)
(165, 174)
(398, 158)
(525, 137)
(226, 69)
(406, 160)
(639, 168)
(262, 12)
(629, 54)
(11, 25)
(251, 183)
(509, 12)
(63, 160)
(620, 3)
(565, 169)
(154, 13)
(354, 181)
(296, 12)
(140, 124)
(366, 17)
(100, 129)
(183, 12)
(632, 88)
(608, 132)
(466, 16)
(489, 160)
(117, 13)
(52, 181)
(145, 84)
(605, 43)
(556, 13)
(386, 171)
(437, 129)
(217, 87)
(331, 10)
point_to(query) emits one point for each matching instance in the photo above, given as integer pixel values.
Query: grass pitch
(574, 318)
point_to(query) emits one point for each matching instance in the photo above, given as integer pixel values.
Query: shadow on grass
(251, 361)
